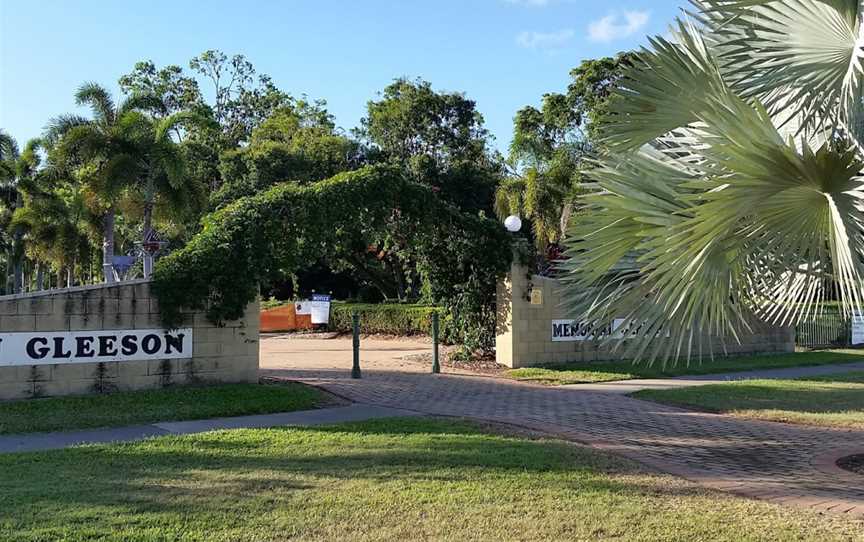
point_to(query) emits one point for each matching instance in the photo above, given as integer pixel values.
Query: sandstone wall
(219, 354)
(524, 330)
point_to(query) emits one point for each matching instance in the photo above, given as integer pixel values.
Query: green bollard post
(436, 366)
(355, 321)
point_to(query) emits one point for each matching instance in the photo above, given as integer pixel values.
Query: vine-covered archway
(459, 256)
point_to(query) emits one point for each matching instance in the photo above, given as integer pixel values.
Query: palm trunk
(148, 230)
(108, 245)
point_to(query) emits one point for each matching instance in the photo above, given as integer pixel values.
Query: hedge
(388, 318)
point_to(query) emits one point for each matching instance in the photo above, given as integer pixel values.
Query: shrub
(389, 318)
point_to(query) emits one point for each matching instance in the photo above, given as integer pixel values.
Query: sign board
(857, 329)
(571, 330)
(55, 348)
(318, 308)
(536, 296)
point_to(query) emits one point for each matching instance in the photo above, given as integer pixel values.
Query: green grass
(833, 400)
(410, 479)
(577, 373)
(168, 404)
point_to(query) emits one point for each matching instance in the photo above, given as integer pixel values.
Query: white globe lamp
(513, 223)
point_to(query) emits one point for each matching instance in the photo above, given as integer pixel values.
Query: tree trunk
(108, 245)
(148, 229)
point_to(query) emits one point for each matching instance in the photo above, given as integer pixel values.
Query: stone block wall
(524, 330)
(219, 354)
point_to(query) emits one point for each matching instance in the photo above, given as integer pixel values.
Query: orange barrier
(284, 318)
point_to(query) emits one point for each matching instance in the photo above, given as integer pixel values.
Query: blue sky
(502, 53)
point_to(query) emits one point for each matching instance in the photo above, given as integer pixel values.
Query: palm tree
(17, 172)
(165, 178)
(731, 191)
(543, 197)
(104, 153)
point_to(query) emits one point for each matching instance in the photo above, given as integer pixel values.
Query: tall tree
(550, 147)
(104, 153)
(12, 169)
(438, 138)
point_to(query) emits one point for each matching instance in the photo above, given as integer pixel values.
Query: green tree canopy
(438, 138)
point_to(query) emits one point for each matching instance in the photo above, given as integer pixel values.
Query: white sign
(857, 329)
(318, 308)
(52, 348)
(571, 330)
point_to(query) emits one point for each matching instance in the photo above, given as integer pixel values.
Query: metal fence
(831, 329)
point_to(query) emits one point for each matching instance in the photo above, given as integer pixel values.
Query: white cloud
(545, 40)
(617, 25)
(529, 3)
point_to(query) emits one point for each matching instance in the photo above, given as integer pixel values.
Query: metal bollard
(436, 366)
(355, 321)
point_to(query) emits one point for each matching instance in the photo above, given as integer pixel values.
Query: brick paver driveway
(779, 462)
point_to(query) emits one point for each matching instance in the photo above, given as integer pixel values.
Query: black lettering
(129, 345)
(174, 340)
(557, 330)
(84, 347)
(58, 349)
(107, 346)
(151, 344)
(35, 353)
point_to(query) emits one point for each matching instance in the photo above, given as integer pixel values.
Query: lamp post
(436, 366)
(513, 223)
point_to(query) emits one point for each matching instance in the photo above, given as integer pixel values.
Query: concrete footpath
(50, 441)
(624, 387)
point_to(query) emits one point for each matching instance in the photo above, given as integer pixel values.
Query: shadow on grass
(208, 470)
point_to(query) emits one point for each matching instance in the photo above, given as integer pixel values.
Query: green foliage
(552, 146)
(437, 138)
(387, 318)
(731, 193)
(459, 256)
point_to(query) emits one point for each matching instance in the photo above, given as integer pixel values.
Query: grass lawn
(578, 373)
(409, 479)
(140, 407)
(832, 400)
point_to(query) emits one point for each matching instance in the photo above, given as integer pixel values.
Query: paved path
(49, 441)
(775, 461)
(629, 386)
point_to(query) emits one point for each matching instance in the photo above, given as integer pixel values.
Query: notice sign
(50, 348)
(857, 329)
(319, 308)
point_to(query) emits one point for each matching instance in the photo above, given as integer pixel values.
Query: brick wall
(219, 354)
(524, 331)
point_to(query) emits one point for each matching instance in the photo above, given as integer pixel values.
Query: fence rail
(825, 330)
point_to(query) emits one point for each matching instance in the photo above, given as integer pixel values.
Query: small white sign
(320, 311)
(857, 329)
(55, 348)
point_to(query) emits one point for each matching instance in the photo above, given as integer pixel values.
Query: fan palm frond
(708, 217)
